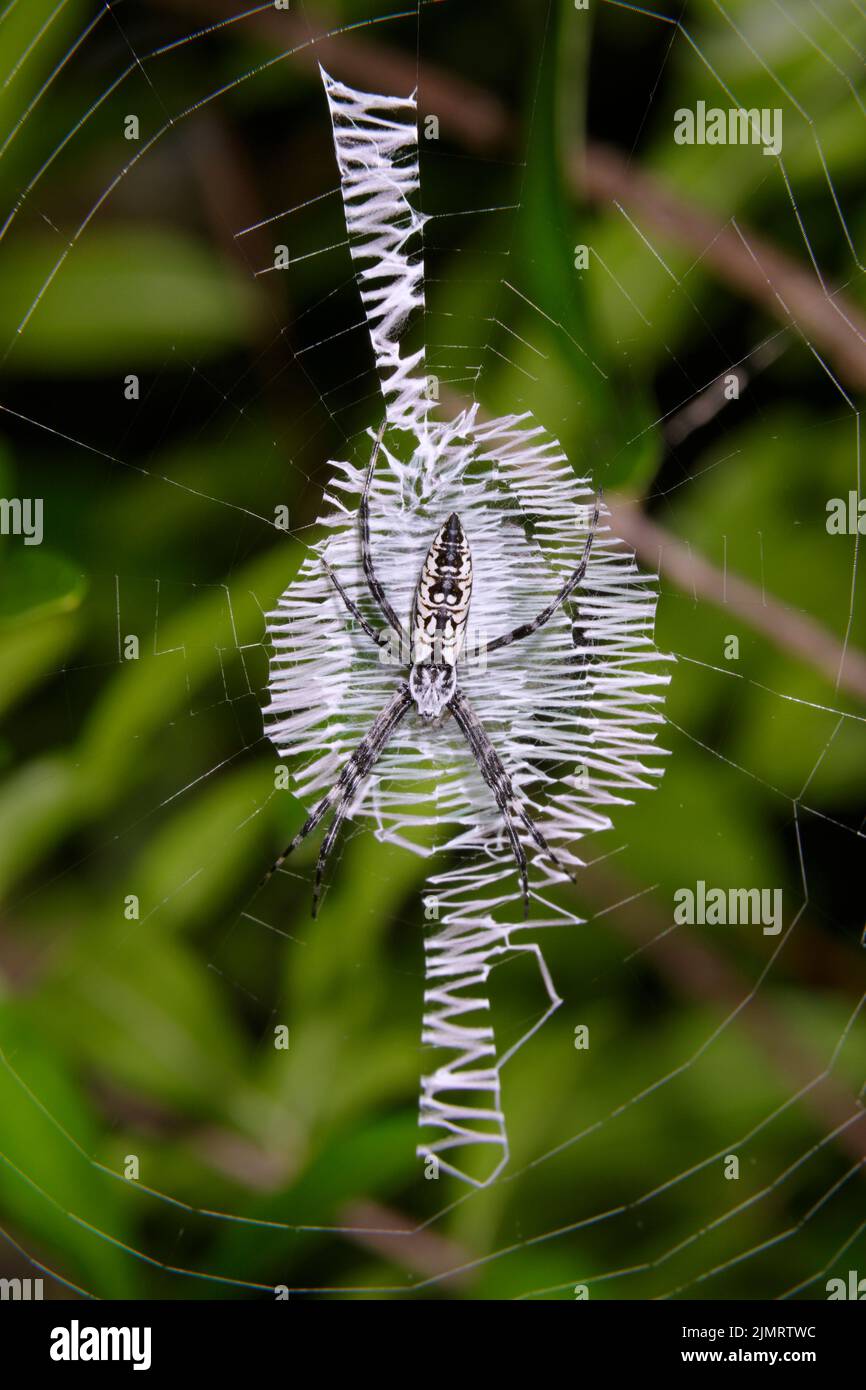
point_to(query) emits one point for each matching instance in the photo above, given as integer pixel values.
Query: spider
(438, 627)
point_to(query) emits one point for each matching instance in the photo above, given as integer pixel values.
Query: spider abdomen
(441, 606)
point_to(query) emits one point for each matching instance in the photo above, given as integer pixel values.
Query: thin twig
(699, 410)
(796, 633)
(740, 257)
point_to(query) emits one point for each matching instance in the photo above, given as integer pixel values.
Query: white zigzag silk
(376, 141)
(572, 710)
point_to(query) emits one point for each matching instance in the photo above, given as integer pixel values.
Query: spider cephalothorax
(432, 685)
(437, 633)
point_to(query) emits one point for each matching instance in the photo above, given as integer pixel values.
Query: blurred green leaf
(196, 859)
(129, 1003)
(39, 802)
(49, 1135)
(615, 439)
(127, 298)
(36, 583)
(33, 36)
(30, 651)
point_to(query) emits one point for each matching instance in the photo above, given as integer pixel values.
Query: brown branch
(796, 633)
(477, 119)
(744, 261)
(699, 410)
(741, 258)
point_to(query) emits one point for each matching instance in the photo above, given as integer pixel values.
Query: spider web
(260, 1167)
(578, 696)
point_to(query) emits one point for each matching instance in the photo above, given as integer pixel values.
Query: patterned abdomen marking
(442, 597)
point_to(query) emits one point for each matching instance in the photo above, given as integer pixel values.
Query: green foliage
(158, 292)
(36, 584)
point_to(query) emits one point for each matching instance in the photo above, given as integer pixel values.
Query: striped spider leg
(354, 770)
(438, 627)
(496, 776)
(366, 755)
(565, 593)
(489, 762)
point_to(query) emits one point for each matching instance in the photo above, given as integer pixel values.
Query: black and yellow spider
(440, 610)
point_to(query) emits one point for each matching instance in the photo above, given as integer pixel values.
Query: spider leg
(568, 588)
(366, 556)
(520, 856)
(542, 842)
(496, 776)
(354, 770)
(327, 845)
(380, 638)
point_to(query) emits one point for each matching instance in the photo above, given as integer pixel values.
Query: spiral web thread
(572, 711)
